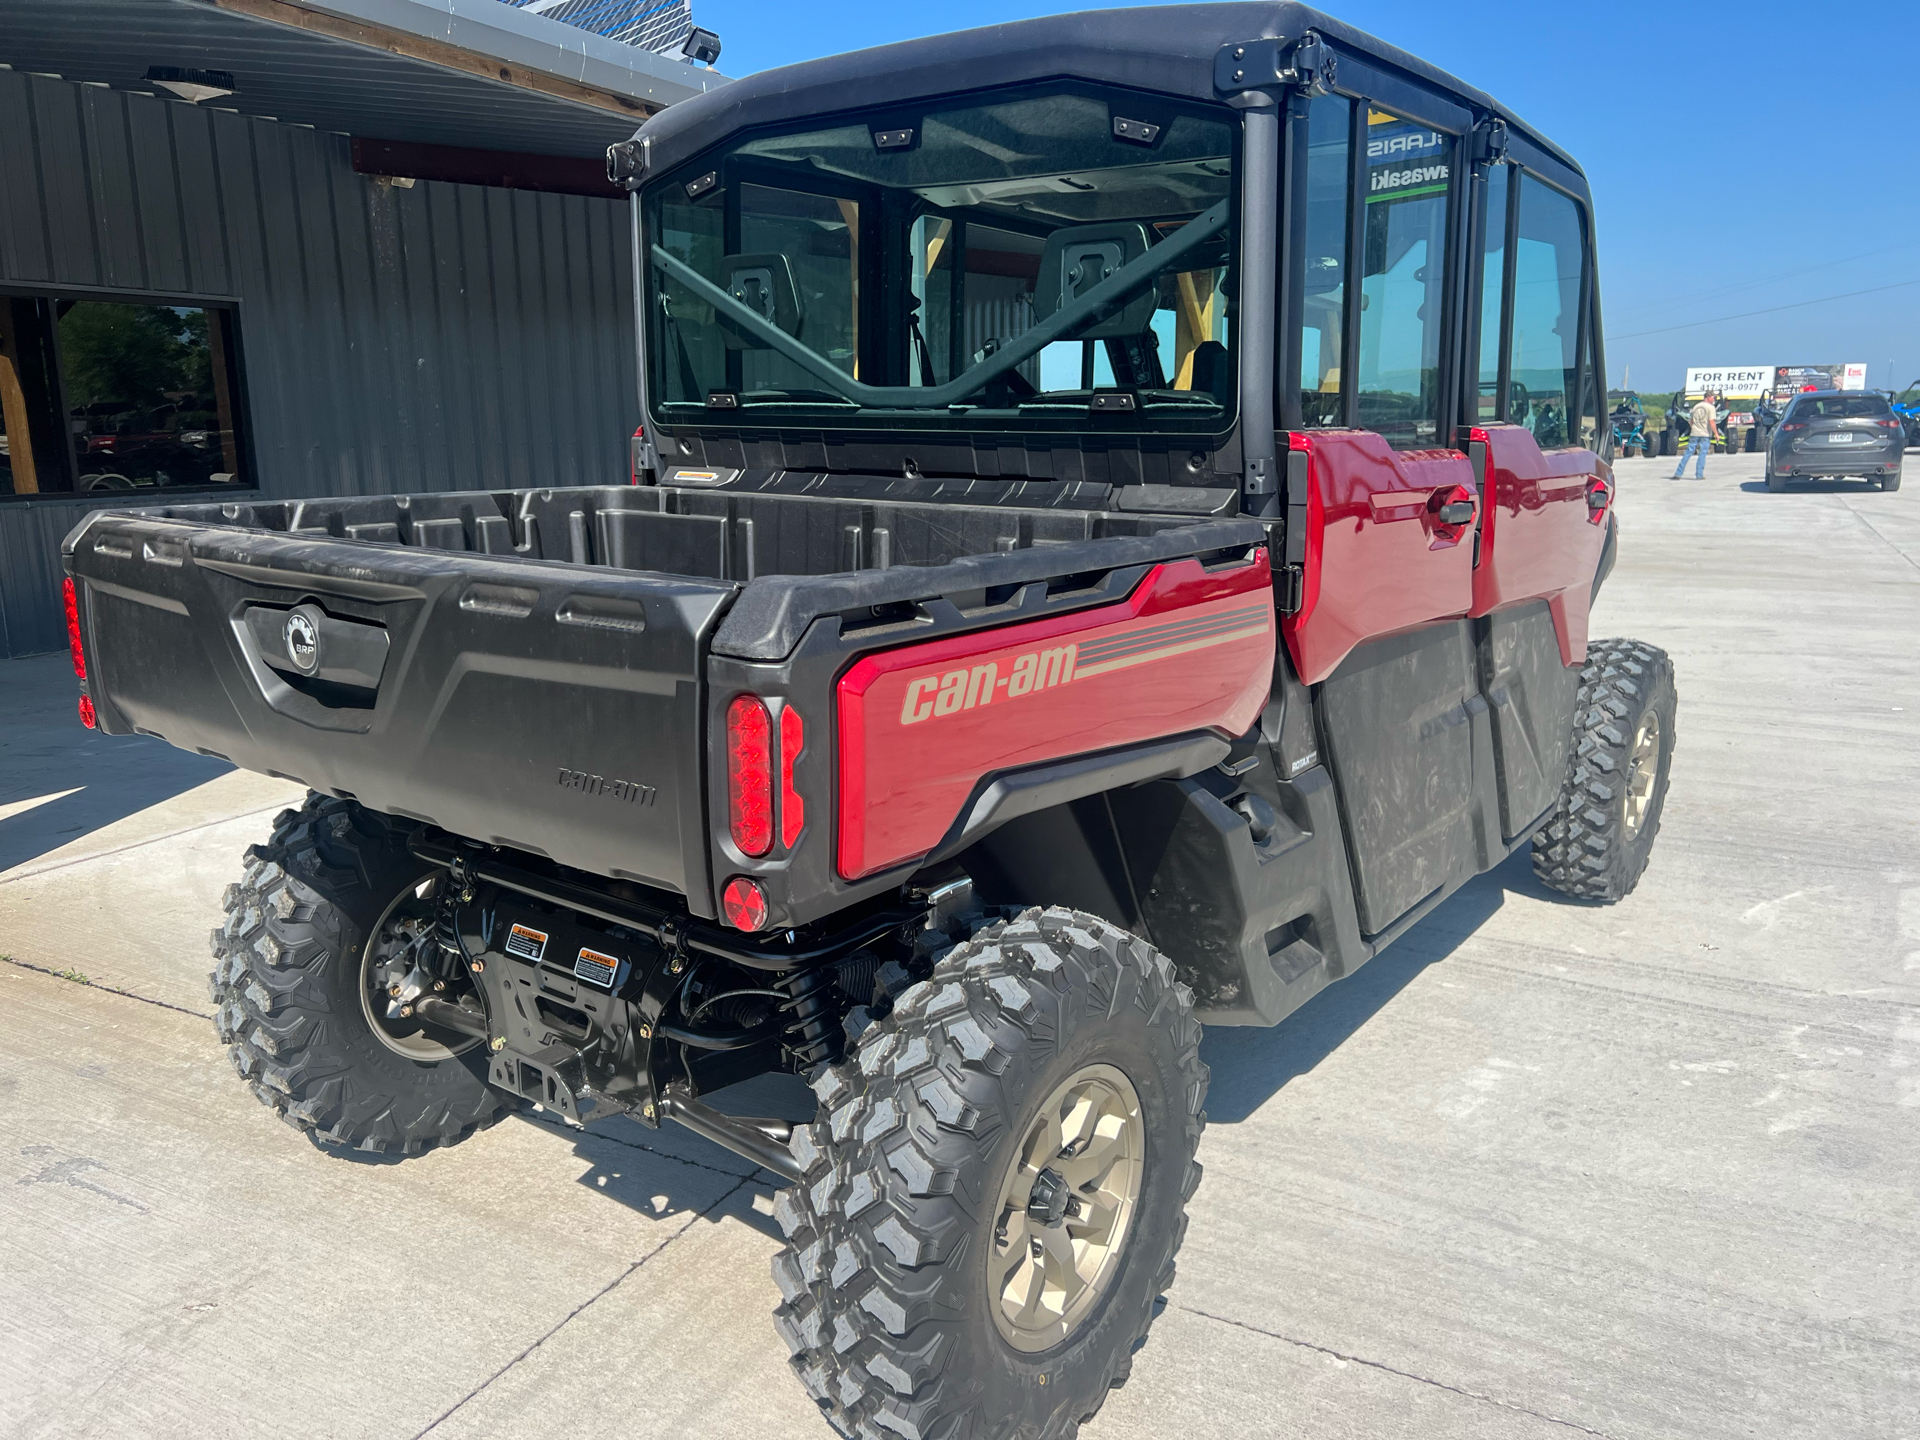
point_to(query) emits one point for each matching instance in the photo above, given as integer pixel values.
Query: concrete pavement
(1540, 1170)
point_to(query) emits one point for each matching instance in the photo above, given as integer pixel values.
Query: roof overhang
(473, 73)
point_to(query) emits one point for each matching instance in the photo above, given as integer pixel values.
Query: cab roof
(1165, 48)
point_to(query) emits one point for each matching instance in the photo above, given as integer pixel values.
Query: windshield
(1034, 261)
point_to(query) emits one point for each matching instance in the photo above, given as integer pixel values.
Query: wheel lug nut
(439, 984)
(499, 1042)
(394, 991)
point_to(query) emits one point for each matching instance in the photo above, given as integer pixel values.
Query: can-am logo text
(982, 684)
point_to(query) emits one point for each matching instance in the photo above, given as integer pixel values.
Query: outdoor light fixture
(702, 46)
(192, 85)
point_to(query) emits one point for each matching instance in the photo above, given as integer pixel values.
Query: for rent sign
(1736, 382)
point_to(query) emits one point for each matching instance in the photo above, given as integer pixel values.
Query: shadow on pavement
(45, 750)
(1250, 1066)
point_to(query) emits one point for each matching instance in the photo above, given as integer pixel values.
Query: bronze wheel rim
(1643, 768)
(1066, 1208)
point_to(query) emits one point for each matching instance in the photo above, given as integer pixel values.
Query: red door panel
(1380, 559)
(920, 726)
(1539, 537)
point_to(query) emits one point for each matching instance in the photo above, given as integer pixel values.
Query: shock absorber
(813, 1033)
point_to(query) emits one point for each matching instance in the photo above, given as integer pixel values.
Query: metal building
(375, 251)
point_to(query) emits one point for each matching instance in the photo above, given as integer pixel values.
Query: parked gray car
(1832, 433)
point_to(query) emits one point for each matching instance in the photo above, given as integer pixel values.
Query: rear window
(1840, 407)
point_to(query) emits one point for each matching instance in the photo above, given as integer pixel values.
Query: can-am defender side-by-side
(1119, 506)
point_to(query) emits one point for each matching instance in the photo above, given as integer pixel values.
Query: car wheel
(992, 1198)
(1890, 482)
(327, 921)
(1776, 482)
(1595, 844)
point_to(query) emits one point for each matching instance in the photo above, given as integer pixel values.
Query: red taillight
(633, 454)
(745, 903)
(1789, 429)
(1599, 497)
(793, 810)
(1888, 424)
(73, 632)
(750, 775)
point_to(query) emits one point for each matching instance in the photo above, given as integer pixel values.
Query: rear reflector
(750, 776)
(86, 711)
(73, 631)
(793, 810)
(745, 903)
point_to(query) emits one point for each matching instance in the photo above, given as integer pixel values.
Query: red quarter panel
(1378, 562)
(921, 726)
(1536, 542)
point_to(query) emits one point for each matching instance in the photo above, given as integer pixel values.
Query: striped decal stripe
(1155, 636)
(1161, 641)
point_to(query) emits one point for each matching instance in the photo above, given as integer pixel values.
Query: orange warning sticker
(527, 943)
(597, 968)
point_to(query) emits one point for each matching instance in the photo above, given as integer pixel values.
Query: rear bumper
(1863, 461)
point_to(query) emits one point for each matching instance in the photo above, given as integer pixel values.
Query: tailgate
(550, 707)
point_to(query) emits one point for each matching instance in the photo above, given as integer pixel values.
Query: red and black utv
(1120, 502)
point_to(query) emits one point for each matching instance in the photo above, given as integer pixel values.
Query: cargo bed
(531, 668)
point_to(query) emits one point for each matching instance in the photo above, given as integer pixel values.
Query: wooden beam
(13, 411)
(437, 52)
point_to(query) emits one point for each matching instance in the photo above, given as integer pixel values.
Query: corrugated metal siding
(446, 337)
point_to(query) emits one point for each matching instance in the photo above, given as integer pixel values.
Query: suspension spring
(813, 1034)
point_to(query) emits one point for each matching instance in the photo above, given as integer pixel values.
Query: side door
(1381, 505)
(1539, 443)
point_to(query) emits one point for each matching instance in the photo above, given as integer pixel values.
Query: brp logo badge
(303, 642)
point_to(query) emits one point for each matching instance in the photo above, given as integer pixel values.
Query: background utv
(1118, 518)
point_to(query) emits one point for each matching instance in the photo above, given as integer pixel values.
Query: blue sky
(1743, 156)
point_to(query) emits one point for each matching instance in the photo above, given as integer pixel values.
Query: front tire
(290, 991)
(1054, 1061)
(1595, 845)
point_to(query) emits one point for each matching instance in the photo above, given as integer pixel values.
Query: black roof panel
(1165, 48)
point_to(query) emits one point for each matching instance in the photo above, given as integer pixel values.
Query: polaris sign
(1405, 160)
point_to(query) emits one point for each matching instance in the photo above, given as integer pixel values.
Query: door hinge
(1289, 588)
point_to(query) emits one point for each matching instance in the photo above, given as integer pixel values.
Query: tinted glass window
(1493, 276)
(1403, 280)
(143, 397)
(908, 259)
(1324, 307)
(1840, 407)
(1546, 312)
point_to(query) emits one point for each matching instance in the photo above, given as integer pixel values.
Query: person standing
(1703, 428)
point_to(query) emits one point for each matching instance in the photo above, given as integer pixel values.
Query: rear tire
(1596, 844)
(1890, 482)
(899, 1319)
(1776, 482)
(286, 986)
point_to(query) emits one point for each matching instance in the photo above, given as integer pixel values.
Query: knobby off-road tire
(889, 1308)
(286, 984)
(1596, 844)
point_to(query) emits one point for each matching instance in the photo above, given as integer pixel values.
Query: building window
(98, 396)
